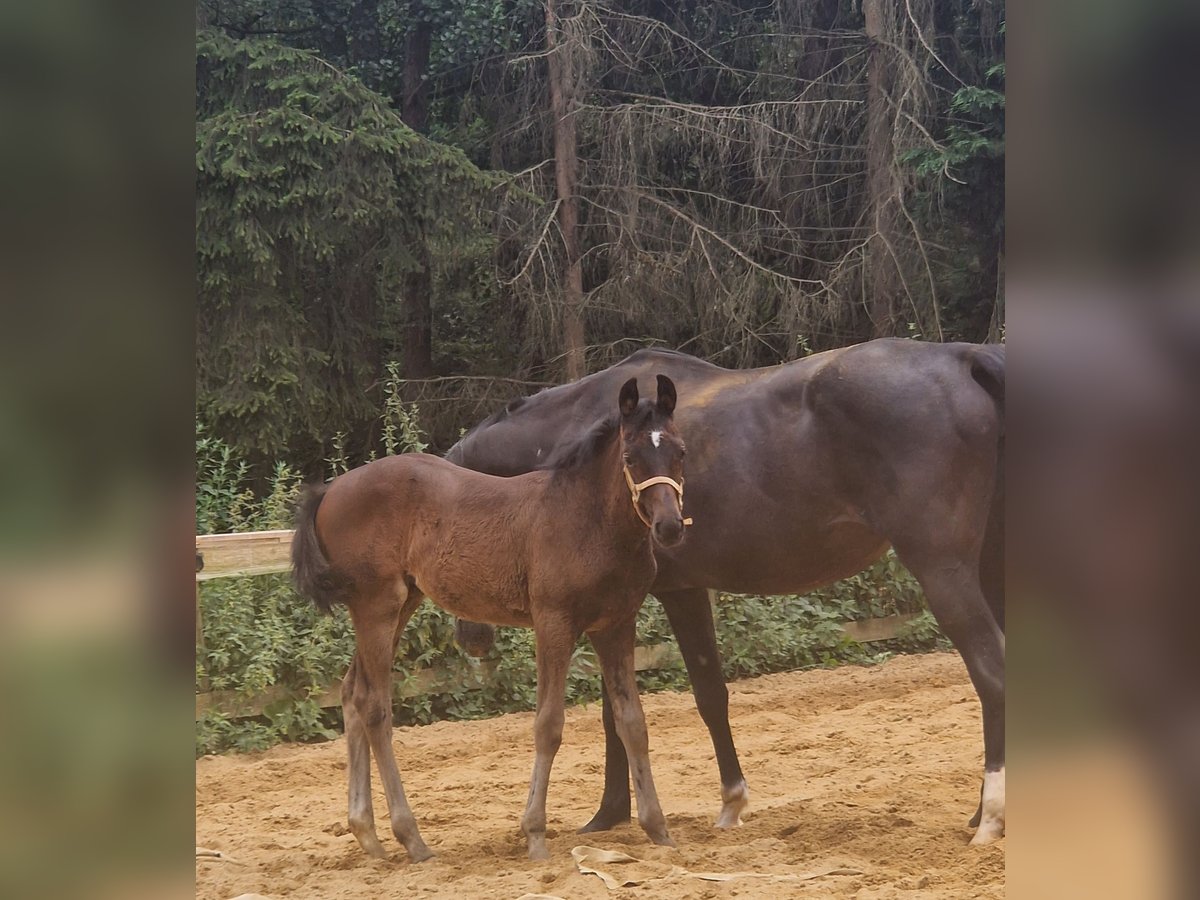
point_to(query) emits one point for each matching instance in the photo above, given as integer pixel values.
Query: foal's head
(652, 452)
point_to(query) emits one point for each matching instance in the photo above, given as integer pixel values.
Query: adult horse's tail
(474, 637)
(988, 370)
(311, 572)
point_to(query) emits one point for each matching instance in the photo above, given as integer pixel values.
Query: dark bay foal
(565, 550)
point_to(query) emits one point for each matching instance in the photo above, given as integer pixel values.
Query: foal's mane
(586, 448)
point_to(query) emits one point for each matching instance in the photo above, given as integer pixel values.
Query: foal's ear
(666, 395)
(629, 397)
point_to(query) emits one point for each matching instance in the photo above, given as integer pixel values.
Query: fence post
(202, 682)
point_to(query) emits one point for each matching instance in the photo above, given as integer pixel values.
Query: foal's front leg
(555, 641)
(614, 647)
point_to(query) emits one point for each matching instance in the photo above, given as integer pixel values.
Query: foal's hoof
(662, 839)
(369, 841)
(420, 853)
(604, 820)
(538, 851)
(734, 799)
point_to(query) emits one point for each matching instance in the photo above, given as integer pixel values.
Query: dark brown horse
(799, 475)
(565, 550)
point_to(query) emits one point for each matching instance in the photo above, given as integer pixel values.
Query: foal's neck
(598, 486)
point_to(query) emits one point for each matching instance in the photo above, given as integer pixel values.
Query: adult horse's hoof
(991, 810)
(538, 851)
(988, 833)
(734, 801)
(605, 820)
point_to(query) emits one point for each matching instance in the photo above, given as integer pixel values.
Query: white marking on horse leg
(734, 801)
(991, 825)
(656, 438)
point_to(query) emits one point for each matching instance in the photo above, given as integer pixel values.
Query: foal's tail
(311, 572)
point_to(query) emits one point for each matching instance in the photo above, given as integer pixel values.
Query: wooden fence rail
(266, 552)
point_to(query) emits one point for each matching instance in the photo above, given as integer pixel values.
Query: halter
(635, 491)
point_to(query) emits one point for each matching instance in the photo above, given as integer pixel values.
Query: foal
(562, 550)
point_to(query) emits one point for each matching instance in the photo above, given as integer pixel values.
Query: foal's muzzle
(668, 531)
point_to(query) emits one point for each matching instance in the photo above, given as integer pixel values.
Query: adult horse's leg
(614, 647)
(991, 577)
(615, 804)
(378, 620)
(555, 641)
(362, 816)
(690, 615)
(953, 590)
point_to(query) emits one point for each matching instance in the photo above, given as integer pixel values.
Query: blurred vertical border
(96, 417)
(1102, 449)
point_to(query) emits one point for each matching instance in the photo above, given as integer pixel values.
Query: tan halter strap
(635, 491)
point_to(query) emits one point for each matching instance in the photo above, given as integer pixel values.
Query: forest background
(489, 196)
(409, 212)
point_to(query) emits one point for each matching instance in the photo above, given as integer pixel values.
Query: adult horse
(799, 475)
(562, 550)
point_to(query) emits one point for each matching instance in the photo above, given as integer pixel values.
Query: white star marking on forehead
(656, 438)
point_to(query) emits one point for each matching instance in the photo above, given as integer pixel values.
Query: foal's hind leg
(378, 620)
(362, 816)
(614, 647)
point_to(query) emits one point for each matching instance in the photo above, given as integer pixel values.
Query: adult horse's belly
(756, 560)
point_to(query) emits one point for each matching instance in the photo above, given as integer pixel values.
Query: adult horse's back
(802, 474)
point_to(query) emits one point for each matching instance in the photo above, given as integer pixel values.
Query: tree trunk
(561, 78)
(363, 45)
(996, 325)
(416, 305)
(882, 275)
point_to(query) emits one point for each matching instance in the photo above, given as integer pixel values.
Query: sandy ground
(867, 770)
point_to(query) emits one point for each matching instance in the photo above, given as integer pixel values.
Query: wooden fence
(266, 552)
